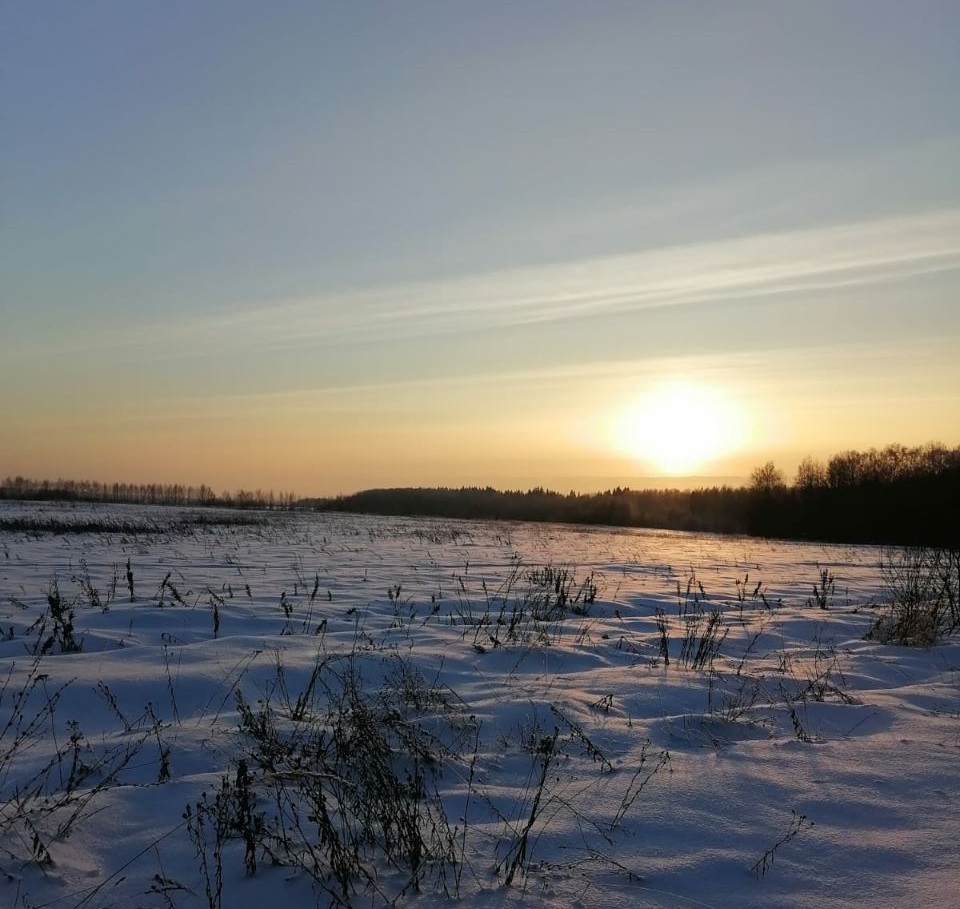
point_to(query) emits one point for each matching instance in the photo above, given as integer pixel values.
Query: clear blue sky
(322, 246)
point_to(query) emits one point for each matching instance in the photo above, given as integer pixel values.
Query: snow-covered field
(323, 707)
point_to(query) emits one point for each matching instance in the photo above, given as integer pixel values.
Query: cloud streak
(811, 261)
(817, 260)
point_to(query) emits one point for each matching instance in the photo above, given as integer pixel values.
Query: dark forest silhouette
(895, 495)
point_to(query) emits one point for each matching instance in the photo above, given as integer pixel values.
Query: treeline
(719, 509)
(141, 493)
(896, 495)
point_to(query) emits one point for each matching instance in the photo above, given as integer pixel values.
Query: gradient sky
(323, 246)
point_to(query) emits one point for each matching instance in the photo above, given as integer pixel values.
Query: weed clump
(54, 628)
(702, 630)
(341, 783)
(528, 608)
(923, 587)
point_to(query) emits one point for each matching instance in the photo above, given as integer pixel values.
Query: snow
(801, 765)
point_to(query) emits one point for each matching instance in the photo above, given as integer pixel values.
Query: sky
(320, 247)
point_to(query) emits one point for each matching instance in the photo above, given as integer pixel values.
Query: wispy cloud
(810, 261)
(815, 260)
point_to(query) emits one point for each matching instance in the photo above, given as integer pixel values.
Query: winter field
(221, 709)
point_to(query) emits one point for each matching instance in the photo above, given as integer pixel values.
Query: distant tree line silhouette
(896, 495)
(719, 509)
(141, 493)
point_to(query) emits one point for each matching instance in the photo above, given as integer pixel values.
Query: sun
(677, 427)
